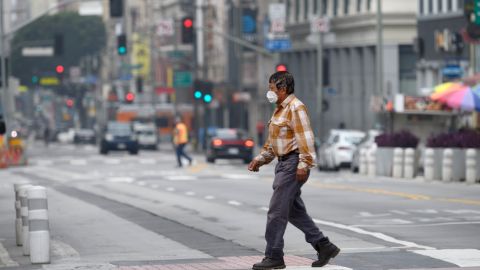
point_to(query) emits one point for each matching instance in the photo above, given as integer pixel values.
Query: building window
(421, 2)
(460, 4)
(297, 10)
(359, 6)
(440, 6)
(346, 6)
(430, 6)
(335, 8)
(449, 5)
(369, 5)
(325, 7)
(315, 7)
(289, 14)
(305, 9)
(407, 68)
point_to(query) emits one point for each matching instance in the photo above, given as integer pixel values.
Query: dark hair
(283, 79)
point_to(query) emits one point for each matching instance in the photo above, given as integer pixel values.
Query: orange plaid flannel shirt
(288, 130)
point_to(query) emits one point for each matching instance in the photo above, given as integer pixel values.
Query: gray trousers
(287, 206)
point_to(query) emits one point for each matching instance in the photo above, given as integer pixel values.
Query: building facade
(350, 95)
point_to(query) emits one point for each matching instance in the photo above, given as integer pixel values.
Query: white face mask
(272, 96)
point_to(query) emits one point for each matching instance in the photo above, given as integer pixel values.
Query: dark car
(119, 137)
(226, 143)
(84, 136)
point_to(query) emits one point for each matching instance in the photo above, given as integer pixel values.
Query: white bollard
(398, 162)
(471, 166)
(363, 162)
(38, 225)
(409, 166)
(24, 212)
(447, 170)
(18, 215)
(372, 162)
(429, 163)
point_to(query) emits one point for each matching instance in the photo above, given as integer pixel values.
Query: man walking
(291, 139)
(180, 140)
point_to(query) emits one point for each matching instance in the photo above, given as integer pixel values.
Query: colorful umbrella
(442, 91)
(467, 99)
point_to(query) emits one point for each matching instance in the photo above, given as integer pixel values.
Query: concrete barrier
(471, 166)
(372, 162)
(409, 163)
(39, 232)
(363, 162)
(398, 162)
(18, 214)
(24, 213)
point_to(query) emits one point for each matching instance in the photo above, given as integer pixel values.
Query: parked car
(84, 136)
(147, 135)
(368, 142)
(338, 149)
(118, 136)
(226, 143)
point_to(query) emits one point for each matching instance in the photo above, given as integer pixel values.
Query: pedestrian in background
(291, 139)
(180, 140)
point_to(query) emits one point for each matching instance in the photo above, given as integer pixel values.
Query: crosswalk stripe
(5, 257)
(460, 257)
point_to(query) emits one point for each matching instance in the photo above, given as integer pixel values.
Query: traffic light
(139, 84)
(208, 96)
(197, 94)
(122, 44)
(58, 44)
(129, 97)
(281, 67)
(59, 69)
(3, 128)
(202, 90)
(187, 30)
(69, 102)
(116, 8)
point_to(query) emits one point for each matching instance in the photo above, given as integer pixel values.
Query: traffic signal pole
(7, 114)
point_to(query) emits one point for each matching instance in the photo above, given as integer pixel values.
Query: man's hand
(254, 166)
(302, 175)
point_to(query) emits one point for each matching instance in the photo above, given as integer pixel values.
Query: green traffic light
(197, 94)
(122, 50)
(207, 98)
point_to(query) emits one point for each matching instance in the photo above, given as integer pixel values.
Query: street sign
(277, 15)
(276, 45)
(49, 81)
(320, 25)
(165, 28)
(37, 51)
(182, 79)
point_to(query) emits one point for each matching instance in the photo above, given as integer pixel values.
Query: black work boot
(326, 250)
(269, 263)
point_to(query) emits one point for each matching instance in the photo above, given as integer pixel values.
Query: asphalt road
(124, 211)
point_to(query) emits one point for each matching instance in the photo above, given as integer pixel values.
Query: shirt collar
(287, 100)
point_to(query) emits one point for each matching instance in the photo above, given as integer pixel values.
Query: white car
(147, 135)
(338, 150)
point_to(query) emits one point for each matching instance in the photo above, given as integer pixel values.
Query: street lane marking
(198, 168)
(180, 177)
(234, 203)
(121, 179)
(417, 225)
(44, 162)
(239, 176)
(111, 161)
(190, 193)
(378, 235)
(5, 257)
(147, 161)
(460, 257)
(209, 197)
(405, 195)
(263, 208)
(154, 186)
(171, 189)
(142, 183)
(78, 162)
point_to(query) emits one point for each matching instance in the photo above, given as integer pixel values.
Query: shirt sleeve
(266, 155)
(304, 138)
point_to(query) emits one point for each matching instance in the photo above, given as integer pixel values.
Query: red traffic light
(281, 67)
(129, 97)
(69, 102)
(188, 23)
(59, 69)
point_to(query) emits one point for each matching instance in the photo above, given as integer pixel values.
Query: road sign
(320, 24)
(277, 14)
(182, 79)
(49, 81)
(37, 51)
(278, 44)
(165, 28)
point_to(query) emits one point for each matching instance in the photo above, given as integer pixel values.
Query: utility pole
(3, 67)
(379, 88)
(320, 76)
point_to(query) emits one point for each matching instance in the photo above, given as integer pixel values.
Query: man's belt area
(286, 156)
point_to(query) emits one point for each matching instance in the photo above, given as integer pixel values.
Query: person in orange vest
(180, 139)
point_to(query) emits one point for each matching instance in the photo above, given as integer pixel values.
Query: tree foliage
(82, 35)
